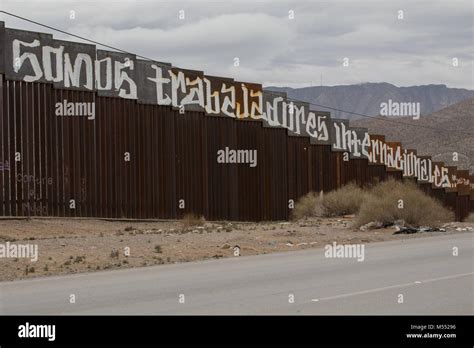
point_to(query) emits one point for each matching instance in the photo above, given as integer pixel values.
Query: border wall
(148, 146)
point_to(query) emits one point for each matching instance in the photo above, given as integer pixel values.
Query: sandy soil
(86, 245)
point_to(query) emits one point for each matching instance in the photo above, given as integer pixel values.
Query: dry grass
(346, 200)
(307, 206)
(470, 218)
(377, 203)
(419, 209)
(192, 220)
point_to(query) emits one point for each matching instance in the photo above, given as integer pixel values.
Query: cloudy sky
(272, 48)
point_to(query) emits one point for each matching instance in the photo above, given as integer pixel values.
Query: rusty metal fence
(73, 167)
(149, 151)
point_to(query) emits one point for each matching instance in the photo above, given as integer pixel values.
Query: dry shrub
(469, 218)
(191, 220)
(307, 206)
(418, 209)
(346, 200)
(376, 203)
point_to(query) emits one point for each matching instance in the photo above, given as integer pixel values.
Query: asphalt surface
(424, 271)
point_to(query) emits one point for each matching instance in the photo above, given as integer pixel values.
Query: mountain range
(438, 134)
(367, 98)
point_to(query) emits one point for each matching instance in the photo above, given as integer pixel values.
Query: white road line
(447, 277)
(390, 287)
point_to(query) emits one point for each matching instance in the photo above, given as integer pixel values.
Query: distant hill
(439, 144)
(366, 98)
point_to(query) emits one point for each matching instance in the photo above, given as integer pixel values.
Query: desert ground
(86, 245)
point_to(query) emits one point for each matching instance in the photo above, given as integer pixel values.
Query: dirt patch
(86, 245)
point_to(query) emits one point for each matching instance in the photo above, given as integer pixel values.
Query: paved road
(423, 270)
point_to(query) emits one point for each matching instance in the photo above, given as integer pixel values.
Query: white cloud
(273, 49)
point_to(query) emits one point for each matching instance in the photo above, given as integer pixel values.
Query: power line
(74, 35)
(288, 98)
